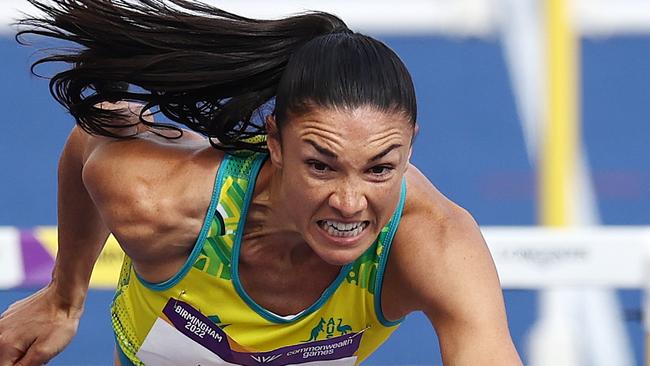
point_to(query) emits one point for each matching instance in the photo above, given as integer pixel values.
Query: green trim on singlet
(167, 284)
(383, 260)
(124, 360)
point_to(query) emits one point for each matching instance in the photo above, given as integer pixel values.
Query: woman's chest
(285, 289)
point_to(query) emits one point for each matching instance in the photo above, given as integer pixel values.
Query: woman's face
(341, 174)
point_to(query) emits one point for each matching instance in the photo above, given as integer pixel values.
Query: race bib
(188, 337)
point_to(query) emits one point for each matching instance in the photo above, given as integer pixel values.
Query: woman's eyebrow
(385, 152)
(329, 153)
(323, 150)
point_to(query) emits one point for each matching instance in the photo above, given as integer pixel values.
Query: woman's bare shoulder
(149, 183)
(425, 203)
(137, 135)
(433, 223)
(143, 150)
(440, 264)
(147, 160)
(434, 228)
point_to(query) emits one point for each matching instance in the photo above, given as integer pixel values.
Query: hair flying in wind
(208, 69)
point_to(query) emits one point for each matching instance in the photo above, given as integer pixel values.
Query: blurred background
(532, 113)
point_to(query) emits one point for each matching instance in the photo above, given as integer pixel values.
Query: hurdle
(587, 261)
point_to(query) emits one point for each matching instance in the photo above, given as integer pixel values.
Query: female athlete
(273, 219)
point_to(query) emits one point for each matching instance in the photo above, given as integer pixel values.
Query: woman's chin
(339, 255)
(339, 259)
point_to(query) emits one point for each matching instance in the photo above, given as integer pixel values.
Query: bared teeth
(341, 226)
(342, 229)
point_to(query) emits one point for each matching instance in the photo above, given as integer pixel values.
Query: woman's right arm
(37, 328)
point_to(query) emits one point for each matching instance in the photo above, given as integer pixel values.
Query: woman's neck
(267, 224)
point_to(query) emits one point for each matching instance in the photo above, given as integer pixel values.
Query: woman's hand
(37, 328)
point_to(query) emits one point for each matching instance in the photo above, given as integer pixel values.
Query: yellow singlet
(203, 316)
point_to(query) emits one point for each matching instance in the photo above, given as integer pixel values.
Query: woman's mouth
(343, 229)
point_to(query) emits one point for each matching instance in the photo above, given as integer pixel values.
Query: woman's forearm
(81, 231)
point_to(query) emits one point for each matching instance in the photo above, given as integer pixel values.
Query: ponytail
(202, 67)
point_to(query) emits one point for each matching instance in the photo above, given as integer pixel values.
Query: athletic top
(203, 316)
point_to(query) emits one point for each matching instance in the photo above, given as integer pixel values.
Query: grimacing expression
(341, 173)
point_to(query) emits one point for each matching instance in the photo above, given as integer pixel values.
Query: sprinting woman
(282, 224)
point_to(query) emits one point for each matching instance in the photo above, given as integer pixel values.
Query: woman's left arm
(441, 265)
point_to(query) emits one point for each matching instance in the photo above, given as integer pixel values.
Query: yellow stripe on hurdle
(560, 139)
(107, 268)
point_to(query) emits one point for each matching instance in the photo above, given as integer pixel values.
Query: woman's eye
(380, 170)
(318, 166)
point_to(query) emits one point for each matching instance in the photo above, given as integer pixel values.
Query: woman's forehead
(365, 121)
(363, 131)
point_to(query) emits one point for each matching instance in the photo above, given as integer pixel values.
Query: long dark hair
(209, 69)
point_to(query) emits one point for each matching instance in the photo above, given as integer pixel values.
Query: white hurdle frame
(598, 256)
(529, 257)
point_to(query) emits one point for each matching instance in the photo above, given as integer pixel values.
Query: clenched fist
(35, 329)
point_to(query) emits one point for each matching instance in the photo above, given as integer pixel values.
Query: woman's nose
(348, 200)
